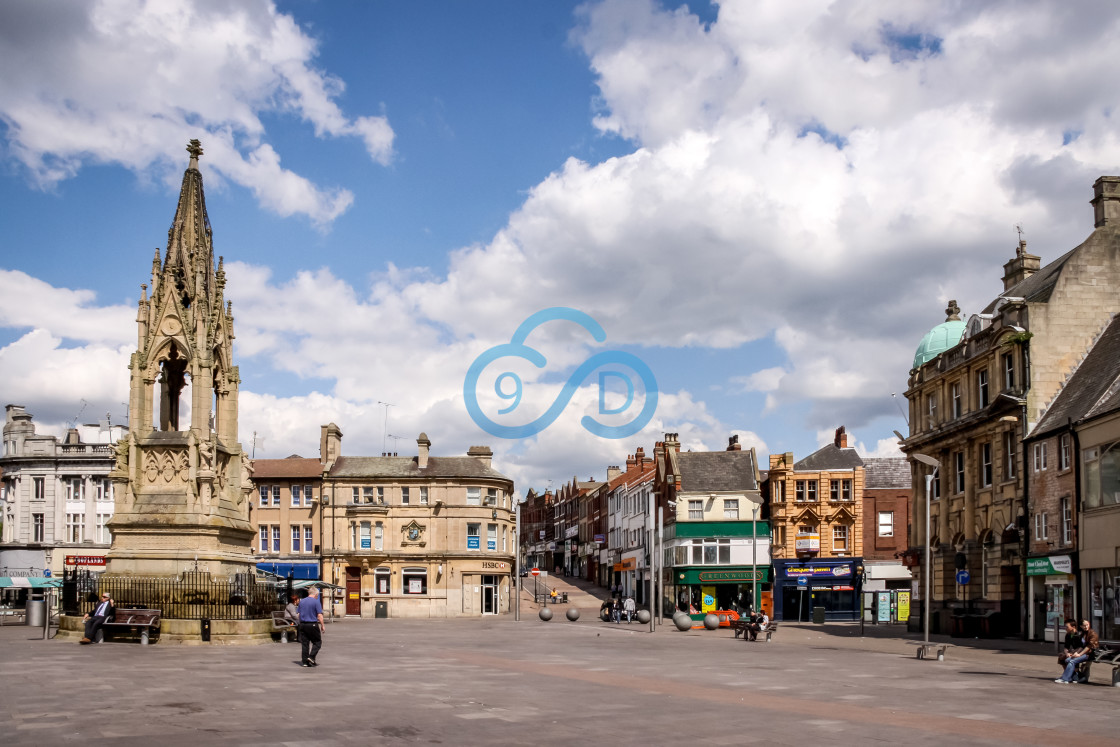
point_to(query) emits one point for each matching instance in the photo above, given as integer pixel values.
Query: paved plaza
(497, 681)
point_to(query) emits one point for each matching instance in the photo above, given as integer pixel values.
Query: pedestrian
(291, 614)
(1072, 644)
(758, 624)
(630, 608)
(616, 612)
(1089, 643)
(311, 627)
(104, 612)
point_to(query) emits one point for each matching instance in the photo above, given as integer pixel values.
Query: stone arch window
(174, 381)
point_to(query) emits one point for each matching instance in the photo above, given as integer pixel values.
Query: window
(982, 388)
(276, 496)
(356, 495)
(731, 508)
(711, 551)
(696, 509)
(474, 496)
(308, 539)
(1063, 451)
(73, 488)
(1009, 456)
(958, 465)
(1067, 522)
(296, 535)
(40, 488)
(886, 523)
(365, 542)
(1101, 475)
(367, 494)
(840, 537)
(986, 465)
(491, 496)
(381, 581)
(423, 496)
(414, 581)
(936, 485)
(840, 490)
(75, 527)
(503, 539)
(37, 528)
(264, 495)
(297, 494)
(931, 408)
(276, 535)
(264, 538)
(379, 536)
(1008, 371)
(307, 495)
(492, 537)
(473, 536)
(811, 491)
(1040, 532)
(799, 491)
(955, 398)
(102, 490)
(404, 496)
(1040, 457)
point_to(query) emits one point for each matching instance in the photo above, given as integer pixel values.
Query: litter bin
(818, 615)
(36, 612)
(381, 609)
(204, 628)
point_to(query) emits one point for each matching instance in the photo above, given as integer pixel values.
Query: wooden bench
(1106, 657)
(928, 650)
(12, 615)
(134, 620)
(281, 624)
(742, 625)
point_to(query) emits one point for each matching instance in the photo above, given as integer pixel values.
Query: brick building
(286, 513)
(886, 522)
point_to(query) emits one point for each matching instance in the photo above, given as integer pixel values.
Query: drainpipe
(1075, 514)
(1025, 540)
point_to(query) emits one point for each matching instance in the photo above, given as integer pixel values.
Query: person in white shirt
(630, 608)
(761, 620)
(101, 614)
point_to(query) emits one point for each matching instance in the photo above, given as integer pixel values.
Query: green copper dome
(942, 337)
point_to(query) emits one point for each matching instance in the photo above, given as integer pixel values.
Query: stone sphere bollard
(643, 616)
(572, 614)
(711, 621)
(682, 621)
(722, 619)
(545, 614)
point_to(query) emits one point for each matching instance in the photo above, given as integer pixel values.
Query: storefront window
(1102, 475)
(415, 581)
(381, 581)
(1104, 593)
(708, 552)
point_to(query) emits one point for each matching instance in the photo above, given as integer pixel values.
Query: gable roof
(1037, 287)
(283, 469)
(829, 456)
(886, 473)
(406, 467)
(1093, 389)
(716, 470)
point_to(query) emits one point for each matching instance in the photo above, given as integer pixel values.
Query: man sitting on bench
(104, 612)
(758, 624)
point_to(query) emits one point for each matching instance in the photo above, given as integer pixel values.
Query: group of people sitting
(757, 622)
(1081, 644)
(615, 609)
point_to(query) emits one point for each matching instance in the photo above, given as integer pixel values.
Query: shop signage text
(85, 560)
(818, 570)
(1049, 566)
(731, 575)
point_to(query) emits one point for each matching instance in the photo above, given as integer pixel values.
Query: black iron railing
(192, 596)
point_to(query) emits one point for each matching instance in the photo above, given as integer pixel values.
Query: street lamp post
(754, 558)
(517, 557)
(931, 462)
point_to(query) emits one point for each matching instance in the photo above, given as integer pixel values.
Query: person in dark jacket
(104, 612)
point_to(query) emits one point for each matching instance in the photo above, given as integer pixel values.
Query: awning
(296, 570)
(889, 572)
(307, 583)
(29, 582)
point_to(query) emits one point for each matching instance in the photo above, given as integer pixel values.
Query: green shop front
(717, 566)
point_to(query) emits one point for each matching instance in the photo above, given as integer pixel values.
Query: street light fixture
(930, 462)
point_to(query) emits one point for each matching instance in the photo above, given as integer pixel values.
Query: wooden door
(354, 591)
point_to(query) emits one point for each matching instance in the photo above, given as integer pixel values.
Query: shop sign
(818, 571)
(571, 532)
(628, 564)
(758, 575)
(472, 542)
(902, 599)
(810, 543)
(601, 538)
(730, 575)
(707, 599)
(542, 534)
(85, 560)
(498, 566)
(1049, 566)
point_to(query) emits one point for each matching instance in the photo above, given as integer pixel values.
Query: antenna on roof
(74, 423)
(385, 424)
(257, 441)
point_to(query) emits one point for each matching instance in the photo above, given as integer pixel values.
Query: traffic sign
(802, 580)
(535, 571)
(963, 577)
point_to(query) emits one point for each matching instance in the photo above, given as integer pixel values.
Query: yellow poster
(708, 603)
(903, 605)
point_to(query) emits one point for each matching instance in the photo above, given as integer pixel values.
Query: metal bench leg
(1116, 676)
(283, 636)
(99, 636)
(144, 637)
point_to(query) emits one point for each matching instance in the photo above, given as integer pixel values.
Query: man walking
(311, 627)
(102, 613)
(630, 608)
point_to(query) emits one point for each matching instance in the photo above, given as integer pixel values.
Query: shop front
(1051, 595)
(801, 585)
(700, 590)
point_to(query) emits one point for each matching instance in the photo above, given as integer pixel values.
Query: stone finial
(194, 147)
(953, 312)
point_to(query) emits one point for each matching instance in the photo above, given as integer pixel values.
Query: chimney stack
(422, 447)
(330, 443)
(482, 453)
(733, 444)
(840, 440)
(1106, 201)
(1021, 267)
(613, 471)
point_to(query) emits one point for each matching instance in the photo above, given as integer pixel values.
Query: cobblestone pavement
(496, 681)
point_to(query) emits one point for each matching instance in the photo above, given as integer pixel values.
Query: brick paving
(496, 681)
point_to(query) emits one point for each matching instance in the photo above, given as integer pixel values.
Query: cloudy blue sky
(767, 202)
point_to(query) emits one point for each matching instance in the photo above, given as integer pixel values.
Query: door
(354, 591)
(489, 595)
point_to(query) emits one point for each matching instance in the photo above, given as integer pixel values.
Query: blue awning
(29, 582)
(295, 570)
